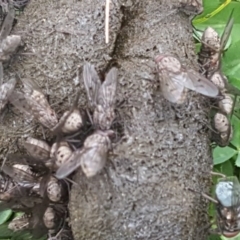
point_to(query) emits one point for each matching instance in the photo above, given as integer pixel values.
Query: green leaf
(221, 155)
(5, 215)
(231, 63)
(235, 121)
(235, 238)
(5, 232)
(226, 168)
(214, 237)
(211, 8)
(237, 163)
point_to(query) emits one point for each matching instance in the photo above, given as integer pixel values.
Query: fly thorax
(212, 39)
(223, 193)
(171, 64)
(62, 154)
(54, 190)
(49, 218)
(73, 122)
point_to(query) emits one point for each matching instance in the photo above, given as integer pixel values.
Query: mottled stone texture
(163, 149)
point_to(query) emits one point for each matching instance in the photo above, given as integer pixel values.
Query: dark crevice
(123, 35)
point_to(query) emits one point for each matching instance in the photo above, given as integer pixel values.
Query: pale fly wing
(227, 31)
(18, 100)
(104, 113)
(5, 92)
(21, 177)
(39, 104)
(94, 160)
(97, 147)
(235, 192)
(37, 148)
(92, 83)
(171, 90)
(198, 83)
(8, 22)
(107, 92)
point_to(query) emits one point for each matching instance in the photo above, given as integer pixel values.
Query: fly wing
(235, 191)
(30, 85)
(5, 92)
(71, 165)
(18, 100)
(37, 148)
(36, 165)
(171, 90)
(107, 91)
(92, 83)
(227, 31)
(8, 22)
(93, 160)
(20, 176)
(200, 84)
(39, 104)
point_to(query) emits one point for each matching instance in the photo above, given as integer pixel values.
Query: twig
(107, 21)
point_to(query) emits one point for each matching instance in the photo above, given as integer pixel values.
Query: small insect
(212, 48)
(19, 223)
(191, 7)
(6, 90)
(219, 80)
(92, 157)
(8, 44)
(226, 104)
(37, 103)
(227, 193)
(223, 131)
(101, 96)
(54, 216)
(72, 123)
(56, 190)
(174, 78)
(37, 148)
(62, 154)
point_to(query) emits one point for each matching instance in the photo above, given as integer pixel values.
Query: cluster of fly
(28, 185)
(227, 197)
(93, 154)
(175, 80)
(210, 64)
(35, 182)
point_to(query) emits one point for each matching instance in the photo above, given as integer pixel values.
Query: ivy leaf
(5, 215)
(221, 155)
